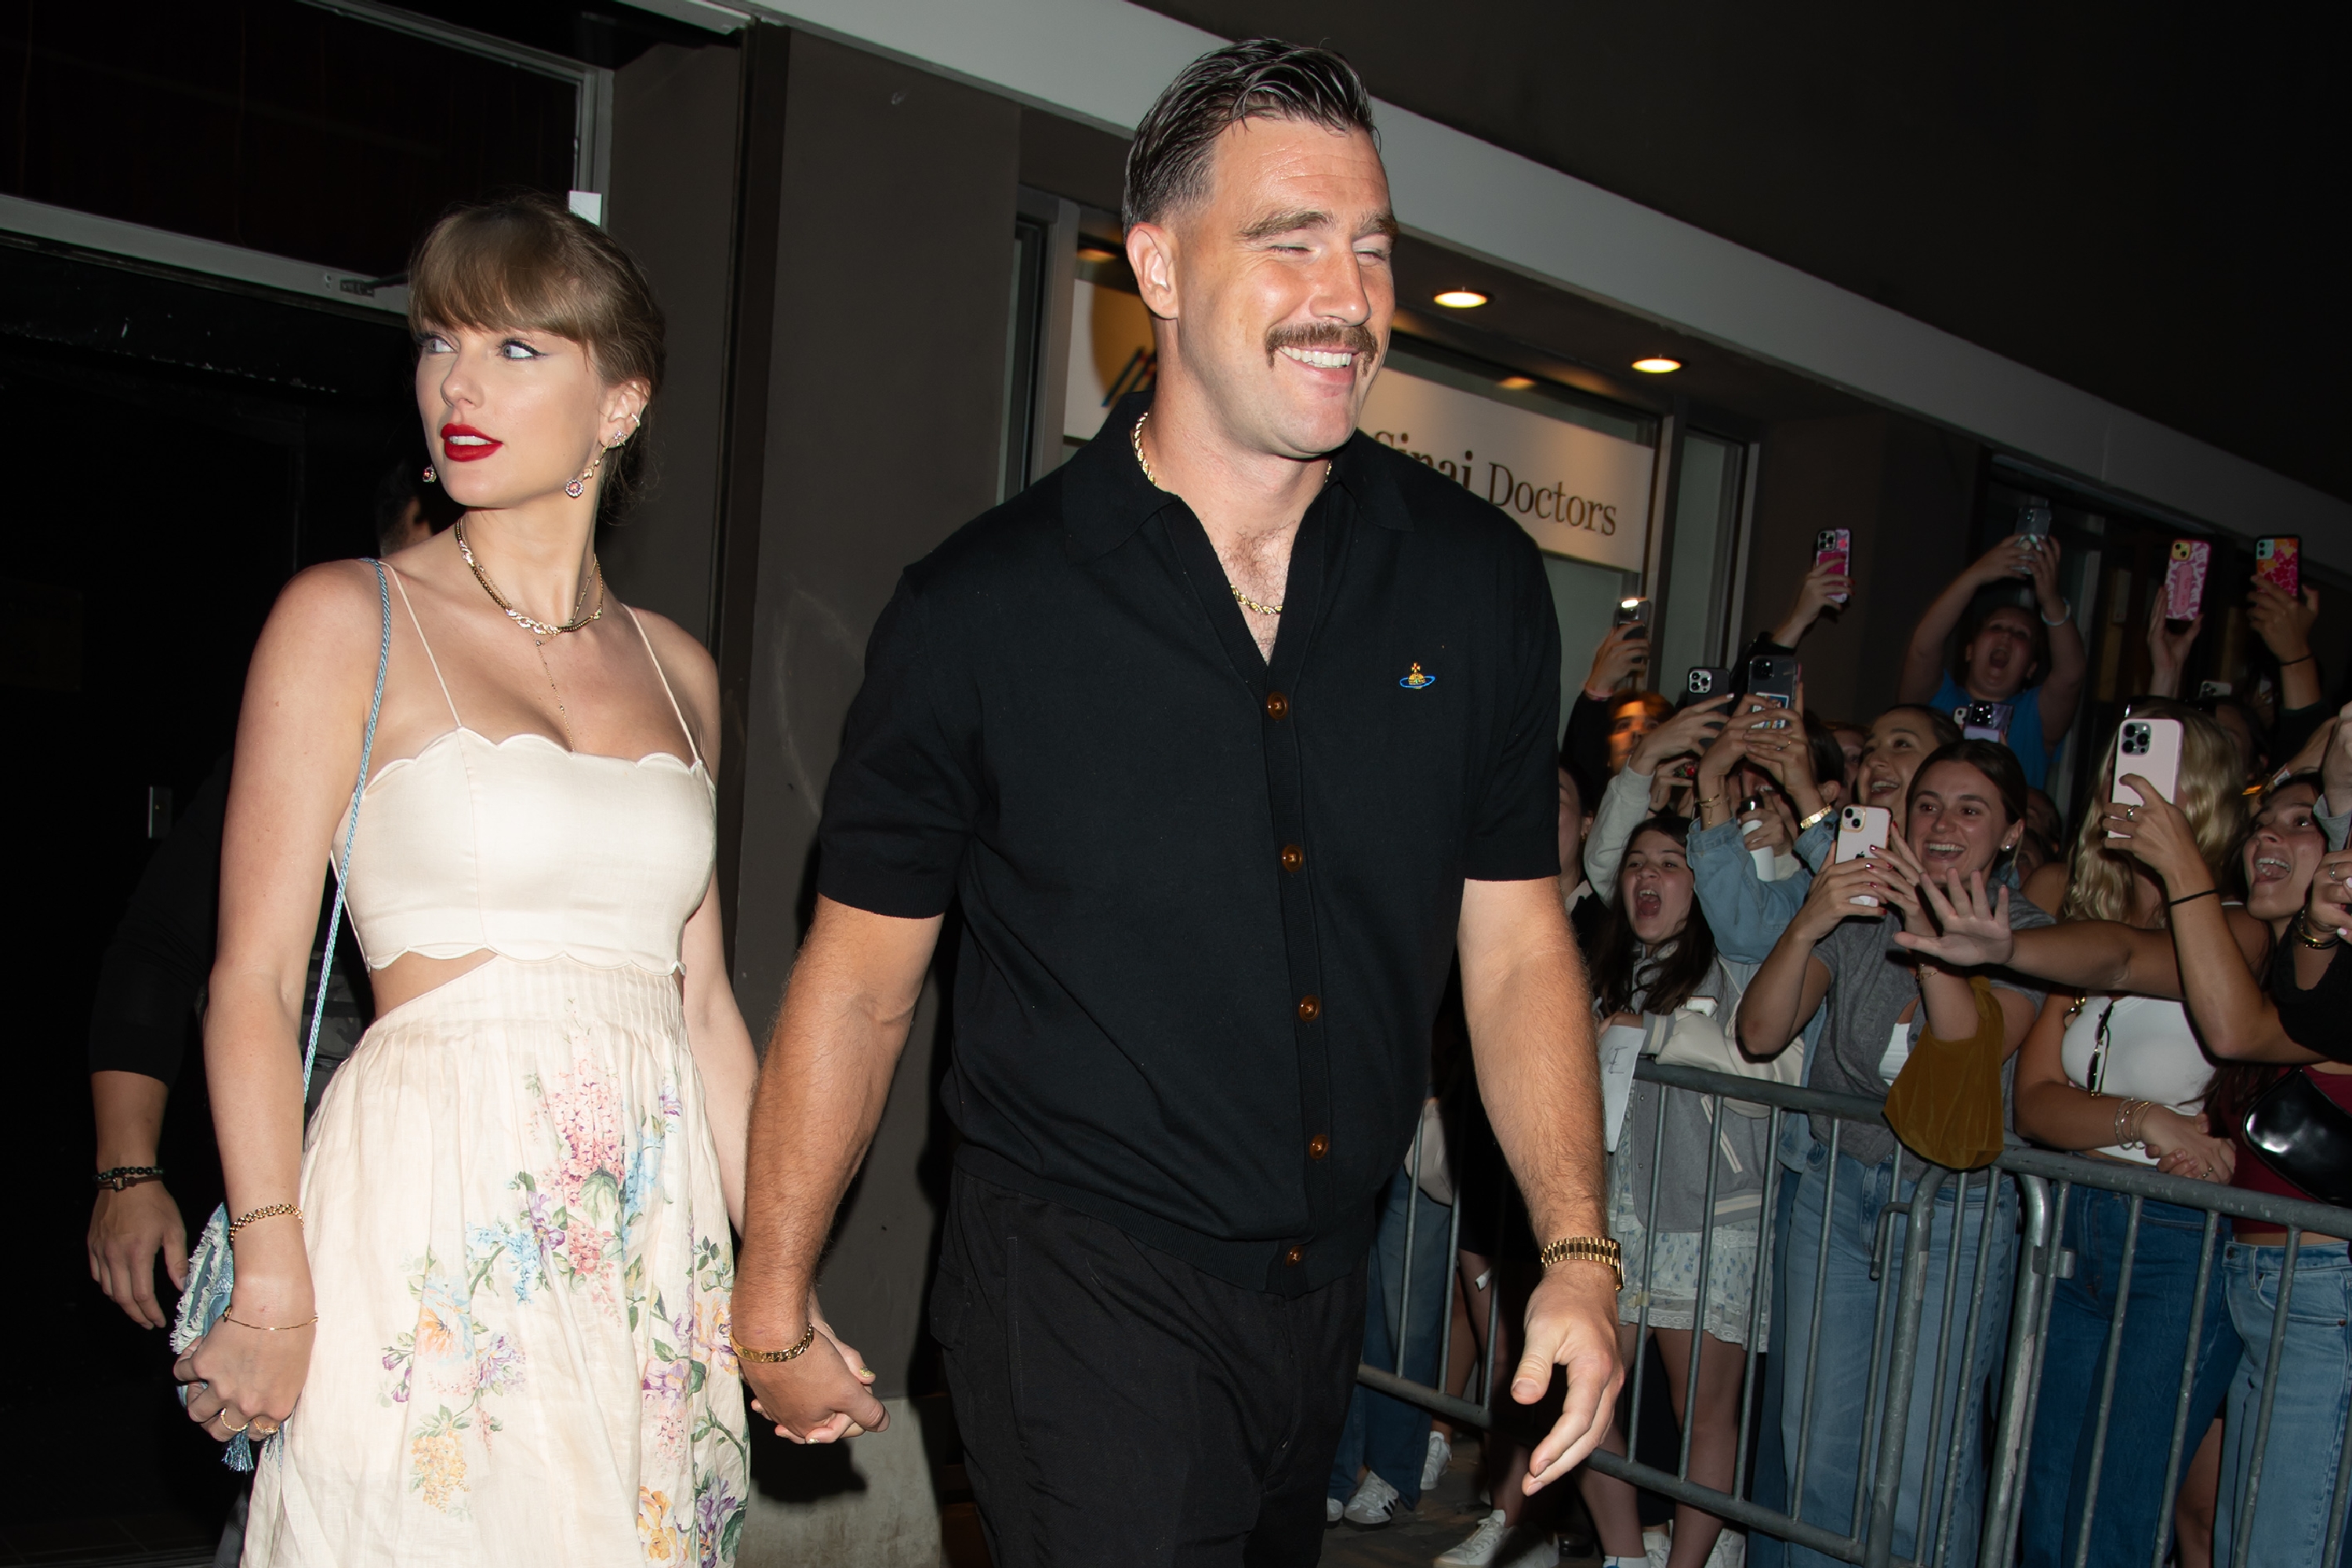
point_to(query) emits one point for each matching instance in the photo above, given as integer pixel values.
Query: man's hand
(126, 1230)
(1571, 1322)
(820, 1396)
(1622, 654)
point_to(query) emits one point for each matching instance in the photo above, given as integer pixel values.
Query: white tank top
(523, 848)
(2151, 1053)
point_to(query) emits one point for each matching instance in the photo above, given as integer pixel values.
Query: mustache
(1341, 337)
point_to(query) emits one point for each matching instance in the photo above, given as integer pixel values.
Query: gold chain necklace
(1135, 438)
(541, 631)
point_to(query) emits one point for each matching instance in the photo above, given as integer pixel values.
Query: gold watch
(1588, 1249)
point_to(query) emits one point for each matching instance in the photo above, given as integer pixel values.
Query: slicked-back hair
(1257, 78)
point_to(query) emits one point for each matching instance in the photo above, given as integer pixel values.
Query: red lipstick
(464, 444)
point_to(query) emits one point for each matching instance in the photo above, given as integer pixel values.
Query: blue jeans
(2132, 1505)
(1834, 1459)
(2291, 1512)
(1386, 1433)
(1768, 1482)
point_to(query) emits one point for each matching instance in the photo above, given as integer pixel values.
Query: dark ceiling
(2133, 200)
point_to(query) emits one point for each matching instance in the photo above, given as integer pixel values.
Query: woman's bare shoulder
(333, 611)
(692, 673)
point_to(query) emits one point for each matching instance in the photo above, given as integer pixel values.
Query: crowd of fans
(2146, 979)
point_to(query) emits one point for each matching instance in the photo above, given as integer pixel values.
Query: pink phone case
(2184, 580)
(1835, 546)
(2150, 748)
(1862, 830)
(2280, 558)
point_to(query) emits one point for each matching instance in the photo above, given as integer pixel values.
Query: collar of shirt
(1105, 497)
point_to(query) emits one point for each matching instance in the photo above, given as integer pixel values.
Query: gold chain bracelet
(744, 1353)
(1588, 1249)
(255, 1217)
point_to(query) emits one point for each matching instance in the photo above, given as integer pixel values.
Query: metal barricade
(1891, 1463)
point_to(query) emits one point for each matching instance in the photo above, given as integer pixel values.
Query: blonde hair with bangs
(2099, 879)
(527, 262)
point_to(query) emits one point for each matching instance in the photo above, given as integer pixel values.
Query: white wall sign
(1577, 491)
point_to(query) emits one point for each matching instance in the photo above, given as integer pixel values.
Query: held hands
(820, 1396)
(1686, 732)
(1622, 654)
(2183, 1147)
(126, 1230)
(2154, 831)
(1571, 1322)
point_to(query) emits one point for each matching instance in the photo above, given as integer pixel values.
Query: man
(1226, 735)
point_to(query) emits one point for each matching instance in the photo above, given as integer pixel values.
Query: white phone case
(1861, 831)
(2150, 748)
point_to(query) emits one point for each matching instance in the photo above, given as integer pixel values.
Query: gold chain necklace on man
(1244, 600)
(541, 630)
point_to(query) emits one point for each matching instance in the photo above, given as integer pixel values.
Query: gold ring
(2131, 814)
(263, 1427)
(232, 1431)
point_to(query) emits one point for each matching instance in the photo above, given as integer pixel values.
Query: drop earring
(428, 473)
(580, 484)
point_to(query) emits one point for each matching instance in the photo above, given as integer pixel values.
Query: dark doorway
(177, 451)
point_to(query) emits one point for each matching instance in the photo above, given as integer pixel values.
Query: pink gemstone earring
(579, 487)
(428, 473)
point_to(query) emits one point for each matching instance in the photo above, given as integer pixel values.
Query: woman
(1657, 971)
(2029, 659)
(2121, 1076)
(489, 1302)
(1964, 811)
(2212, 957)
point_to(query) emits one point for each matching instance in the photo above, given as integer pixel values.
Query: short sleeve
(904, 795)
(1514, 814)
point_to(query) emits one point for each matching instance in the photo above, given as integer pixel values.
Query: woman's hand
(246, 1379)
(2283, 622)
(126, 1230)
(2167, 651)
(2154, 831)
(839, 1425)
(1622, 654)
(2041, 561)
(1775, 829)
(2330, 905)
(1684, 734)
(2012, 557)
(2183, 1148)
(1825, 587)
(1832, 898)
(1972, 929)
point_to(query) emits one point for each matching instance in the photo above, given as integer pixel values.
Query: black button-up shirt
(1209, 904)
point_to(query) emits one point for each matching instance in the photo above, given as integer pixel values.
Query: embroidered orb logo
(1417, 679)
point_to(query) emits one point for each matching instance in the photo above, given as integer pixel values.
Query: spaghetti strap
(660, 676)
(426, 646)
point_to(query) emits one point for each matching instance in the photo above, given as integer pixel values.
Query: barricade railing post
(2038, 1235)
(2188, 1385)
(1813, 1332)
(1759, 1327)
(1405, 1273)
(1872, 1399)
(1943, 1500)
(2114, 1360)
(2245, 1519)
(1902, 1363)
(1698, 1291)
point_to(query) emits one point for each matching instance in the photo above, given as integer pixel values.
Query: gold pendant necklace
(538, 629)
(1135, 438)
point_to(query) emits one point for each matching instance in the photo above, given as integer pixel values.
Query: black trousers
(1120, 1407)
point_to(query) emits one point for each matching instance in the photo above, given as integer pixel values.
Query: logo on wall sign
(1417, 679)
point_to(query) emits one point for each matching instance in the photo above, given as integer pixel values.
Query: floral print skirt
(520, 1251)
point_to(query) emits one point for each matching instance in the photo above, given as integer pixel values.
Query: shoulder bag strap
(342, 868)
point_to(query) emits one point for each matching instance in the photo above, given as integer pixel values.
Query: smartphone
(2033, 519)
(1834, 548)
(2150, 748)
(1634, 613)
(1706, 680)
(1862, 832)
(2184, 579)
(1982, 721)
(2279, 558)
(1773, 676)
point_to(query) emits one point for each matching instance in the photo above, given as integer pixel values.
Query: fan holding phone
(2015, 672)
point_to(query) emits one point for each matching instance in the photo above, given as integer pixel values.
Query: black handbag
(2304, 1137)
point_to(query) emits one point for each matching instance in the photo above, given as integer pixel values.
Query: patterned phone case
(2280, 559)
(2184, 580)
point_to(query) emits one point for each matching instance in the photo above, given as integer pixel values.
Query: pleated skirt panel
(521, 1250)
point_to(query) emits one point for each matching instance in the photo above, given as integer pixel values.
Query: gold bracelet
(744, 1353)
(270, 1328)
(1807, 826)
(1588, 1249)
(2317, 941)
(255, 1217)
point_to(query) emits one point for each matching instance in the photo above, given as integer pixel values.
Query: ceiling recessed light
(1657, 364)
(1517, 383)
(1461, 299)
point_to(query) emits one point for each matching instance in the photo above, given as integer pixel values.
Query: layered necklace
(541, 631)
(1244, 600)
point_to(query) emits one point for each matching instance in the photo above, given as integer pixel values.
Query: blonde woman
(486, 1311)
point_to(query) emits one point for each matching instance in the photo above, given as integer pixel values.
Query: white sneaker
(1730, 1550)
(1332, 1508)
(1659, 1544)
(1531, 1548)
(1479, 1551)
(1440, 1454)
(1375, 1503)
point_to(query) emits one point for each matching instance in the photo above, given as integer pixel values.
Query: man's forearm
(128, 1110)
(1539, 1075)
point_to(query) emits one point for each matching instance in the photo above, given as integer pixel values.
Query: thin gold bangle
(270, 1328)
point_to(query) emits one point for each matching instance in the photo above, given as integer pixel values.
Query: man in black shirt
(1227, 736)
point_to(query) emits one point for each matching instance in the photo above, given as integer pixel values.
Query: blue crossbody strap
(352, 831)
